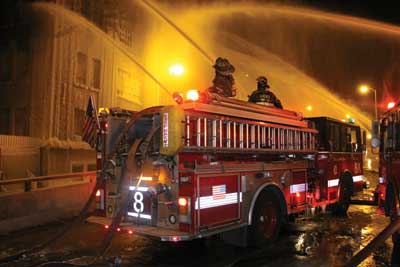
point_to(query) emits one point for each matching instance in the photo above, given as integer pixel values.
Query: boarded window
(96, 73)
(81, 68)
(79, 120)
(4, 121)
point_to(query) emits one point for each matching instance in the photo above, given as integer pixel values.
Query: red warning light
(130, 232)
(390, 105)
(106, 226)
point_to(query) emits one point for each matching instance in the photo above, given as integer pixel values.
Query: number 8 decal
(138, 204)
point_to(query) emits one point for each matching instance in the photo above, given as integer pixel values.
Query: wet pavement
(323, 240)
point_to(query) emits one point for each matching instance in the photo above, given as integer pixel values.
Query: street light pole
(376, 106)
(364, 90)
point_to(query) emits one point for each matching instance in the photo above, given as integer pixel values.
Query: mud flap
(237, 237)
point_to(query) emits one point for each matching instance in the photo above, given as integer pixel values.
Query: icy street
(323, 240)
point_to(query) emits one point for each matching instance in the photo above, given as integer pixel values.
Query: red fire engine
(386, 136)
(339, 162)
(214, 165)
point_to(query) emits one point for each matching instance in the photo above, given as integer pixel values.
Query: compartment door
(218, 200)
(298, 189)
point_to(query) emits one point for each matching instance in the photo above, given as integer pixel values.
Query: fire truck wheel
(390, 201)
(267, 220)
(345, 193)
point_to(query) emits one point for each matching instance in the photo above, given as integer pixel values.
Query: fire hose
(125, 201)
(83, 213)
(393, 227)
(77, 220)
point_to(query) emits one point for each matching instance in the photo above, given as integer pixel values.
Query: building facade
(54, 56)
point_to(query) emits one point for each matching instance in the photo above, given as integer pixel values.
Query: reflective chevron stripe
(332, 183)
(211, 202)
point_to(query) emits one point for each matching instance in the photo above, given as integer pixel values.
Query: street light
(364, 89)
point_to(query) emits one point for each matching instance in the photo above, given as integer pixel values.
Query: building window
(81, 68)
(79, 120)
(96, 73)
(77, 167)
(4, 121)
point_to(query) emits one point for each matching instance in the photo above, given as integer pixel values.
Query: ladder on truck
(229, 128)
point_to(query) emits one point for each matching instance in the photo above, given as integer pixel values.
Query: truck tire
(345, 192)
(390, 200)
(267, 220)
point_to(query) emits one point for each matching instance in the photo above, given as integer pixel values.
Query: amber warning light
(182, 202)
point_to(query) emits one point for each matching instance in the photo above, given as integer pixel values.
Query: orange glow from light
(309, 108)
(364, 89)
(297, 194)
(106, 226)
(118, 229)
(369, 136)
(390, 105)
(98, 193)
(130, 232)
(144, 178)
(192, 95)
(182, 202)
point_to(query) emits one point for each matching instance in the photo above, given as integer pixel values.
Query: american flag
(219, 191)
(89, 134)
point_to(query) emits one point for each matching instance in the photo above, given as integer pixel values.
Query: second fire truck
(214, 165)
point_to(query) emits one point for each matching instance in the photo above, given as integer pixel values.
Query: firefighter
(223, 83)
(263, 96)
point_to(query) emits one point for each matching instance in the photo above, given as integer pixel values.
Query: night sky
(385, 11)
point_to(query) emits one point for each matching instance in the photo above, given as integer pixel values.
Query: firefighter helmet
(223, 66)
(262, 82)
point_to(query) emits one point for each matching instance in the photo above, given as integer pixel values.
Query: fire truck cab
(339, 163)
(215, 165)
